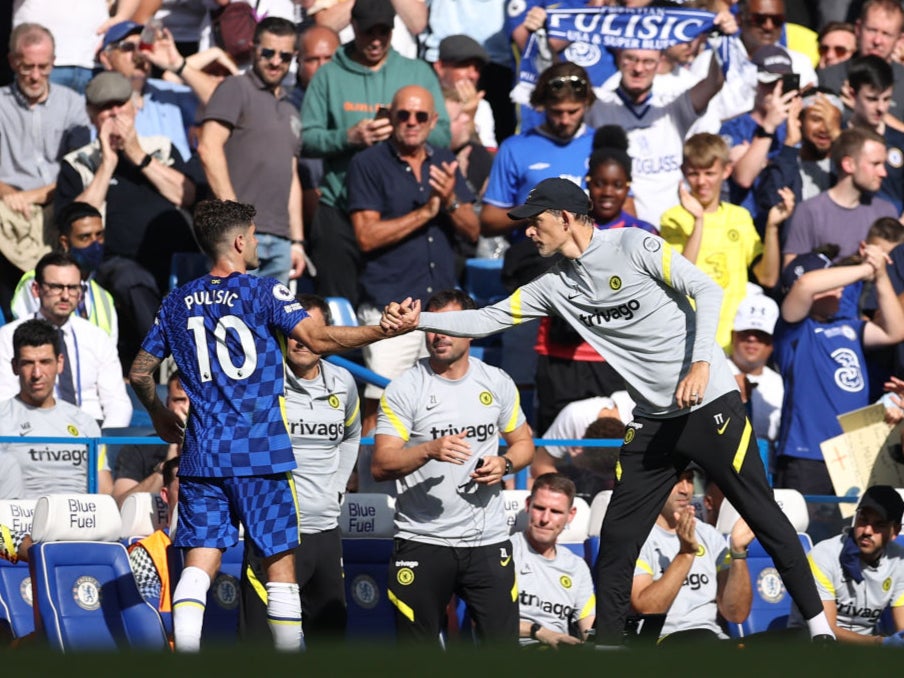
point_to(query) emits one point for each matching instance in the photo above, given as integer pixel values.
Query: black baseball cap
(884, 500)
(369, 13)
(804, 263)
(552, 194)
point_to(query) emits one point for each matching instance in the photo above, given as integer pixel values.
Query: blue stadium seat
(342, 311)
(186, 266)
(86, 597)
(771, 601)
(483, 281)
(367, 528)
(16, 613)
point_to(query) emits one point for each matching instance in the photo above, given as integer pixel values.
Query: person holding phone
(757, 137)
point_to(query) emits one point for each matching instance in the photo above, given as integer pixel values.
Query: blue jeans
(73, 77)
(275, 256)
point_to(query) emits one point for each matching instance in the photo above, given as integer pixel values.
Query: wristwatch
(454, 206)
(760, 133)
(534, 628)
(145, 161)
(509, 466)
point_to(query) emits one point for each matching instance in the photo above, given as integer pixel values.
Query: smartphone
(382, 113)
(790, 82)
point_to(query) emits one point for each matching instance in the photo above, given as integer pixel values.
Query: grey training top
(627, 296)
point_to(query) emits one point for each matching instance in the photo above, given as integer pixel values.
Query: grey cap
(456, 49)
(108, 87)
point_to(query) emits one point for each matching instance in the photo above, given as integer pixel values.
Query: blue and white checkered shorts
(210, 510)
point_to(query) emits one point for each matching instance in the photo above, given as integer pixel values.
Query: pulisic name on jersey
(211, 297)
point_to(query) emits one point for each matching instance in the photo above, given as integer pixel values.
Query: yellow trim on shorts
(400, 606)
(515, 307)
(589, 608)
(820, 577)
(394, 419)
(618, 470)
(741, 452)
(515, 590)
(667, 265)
(354, 415)
(291, 480)
(256, 584)
(645, 566)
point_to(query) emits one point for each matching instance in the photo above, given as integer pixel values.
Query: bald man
(406, 250)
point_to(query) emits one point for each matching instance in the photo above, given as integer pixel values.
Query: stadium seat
(771, 600)
(367, 525)
(598, 507)
(574, 536)
(483, 281)
(86, 597)
(791, 502)
(186, 266)
(142, 513)
(514, 503)
(16, 612)
(342, 311)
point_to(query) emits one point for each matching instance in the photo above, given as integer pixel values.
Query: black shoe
(824, 639)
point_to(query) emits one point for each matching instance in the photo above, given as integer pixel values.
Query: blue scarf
(850, 560)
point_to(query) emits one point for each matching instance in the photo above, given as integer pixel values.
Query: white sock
(189, 603)
(284, 616)
(819, 626)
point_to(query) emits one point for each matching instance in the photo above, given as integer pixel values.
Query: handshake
(399, 318)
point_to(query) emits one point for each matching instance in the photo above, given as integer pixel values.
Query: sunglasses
(839, 51)
(577, 84)
(405, 116)
(267, 53)
(760, 19)
(125, 46)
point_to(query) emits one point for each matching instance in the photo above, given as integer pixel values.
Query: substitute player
(627, 294)
(224, 331)
(324, 415)
(437, 436)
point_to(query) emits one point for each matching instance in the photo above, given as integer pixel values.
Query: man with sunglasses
(761, 23)
(91, 376)
(407, 201)
(837, 43)
(39, 123)
(878, 30)
(250, 140)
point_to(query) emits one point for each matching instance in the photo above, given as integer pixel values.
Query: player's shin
(284, 616)
(189, 603)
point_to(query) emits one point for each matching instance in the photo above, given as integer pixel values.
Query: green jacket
(344, 92)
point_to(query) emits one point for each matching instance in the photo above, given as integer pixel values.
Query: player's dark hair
(72, 213)
(452, 296)
(54, 258)
(555, 482)
(610, 144)
(309, 301)
(870, 71)
(563, 81)
(216, 220)
(170, 469)
(277, 26)
(35, 332)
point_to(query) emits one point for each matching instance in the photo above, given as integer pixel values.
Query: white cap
(757, 312)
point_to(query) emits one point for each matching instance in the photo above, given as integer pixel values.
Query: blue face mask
(88, 257)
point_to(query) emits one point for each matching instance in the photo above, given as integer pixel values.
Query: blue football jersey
(226, 336)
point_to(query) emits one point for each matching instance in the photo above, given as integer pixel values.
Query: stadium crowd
(382, 145)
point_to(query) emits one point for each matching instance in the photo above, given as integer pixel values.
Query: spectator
(91, 376)
(761, 24)
(339, 116)
(761, 387)
(655, 129)
(139, 468)
(463, 548)
(76, 27)
(325, 428)
(860, 573)
(837, 43)
(458, 68)
(843, 214)
(81, 229)
(161, 110)
(249, 116)
(821, 358)
(878, 30)
(556, 601)
(408, 22)
(316, 47)
(142, 185)
(719, 237)
(871, 82)
(34, 411)
(39, 124)
(407, 201)
(687, 572)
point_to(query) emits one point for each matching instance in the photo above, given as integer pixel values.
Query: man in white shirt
(91, 377)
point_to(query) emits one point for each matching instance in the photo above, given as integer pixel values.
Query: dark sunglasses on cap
(760, 19)
(420, 116)
(124, 46)
(839, 51)
(268, 53)
(577, 84)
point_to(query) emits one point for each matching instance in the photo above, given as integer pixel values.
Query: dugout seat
(367, 526)
(85, 595)
(598, 507)
(483, 280)
(791, 502)
(142, 514)
(16, 613)
(342, 311)
(771, 602)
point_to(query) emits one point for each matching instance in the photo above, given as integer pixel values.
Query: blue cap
(804, 263)
(117, 32)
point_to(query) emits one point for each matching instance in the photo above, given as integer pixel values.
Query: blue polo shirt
(422, 263)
